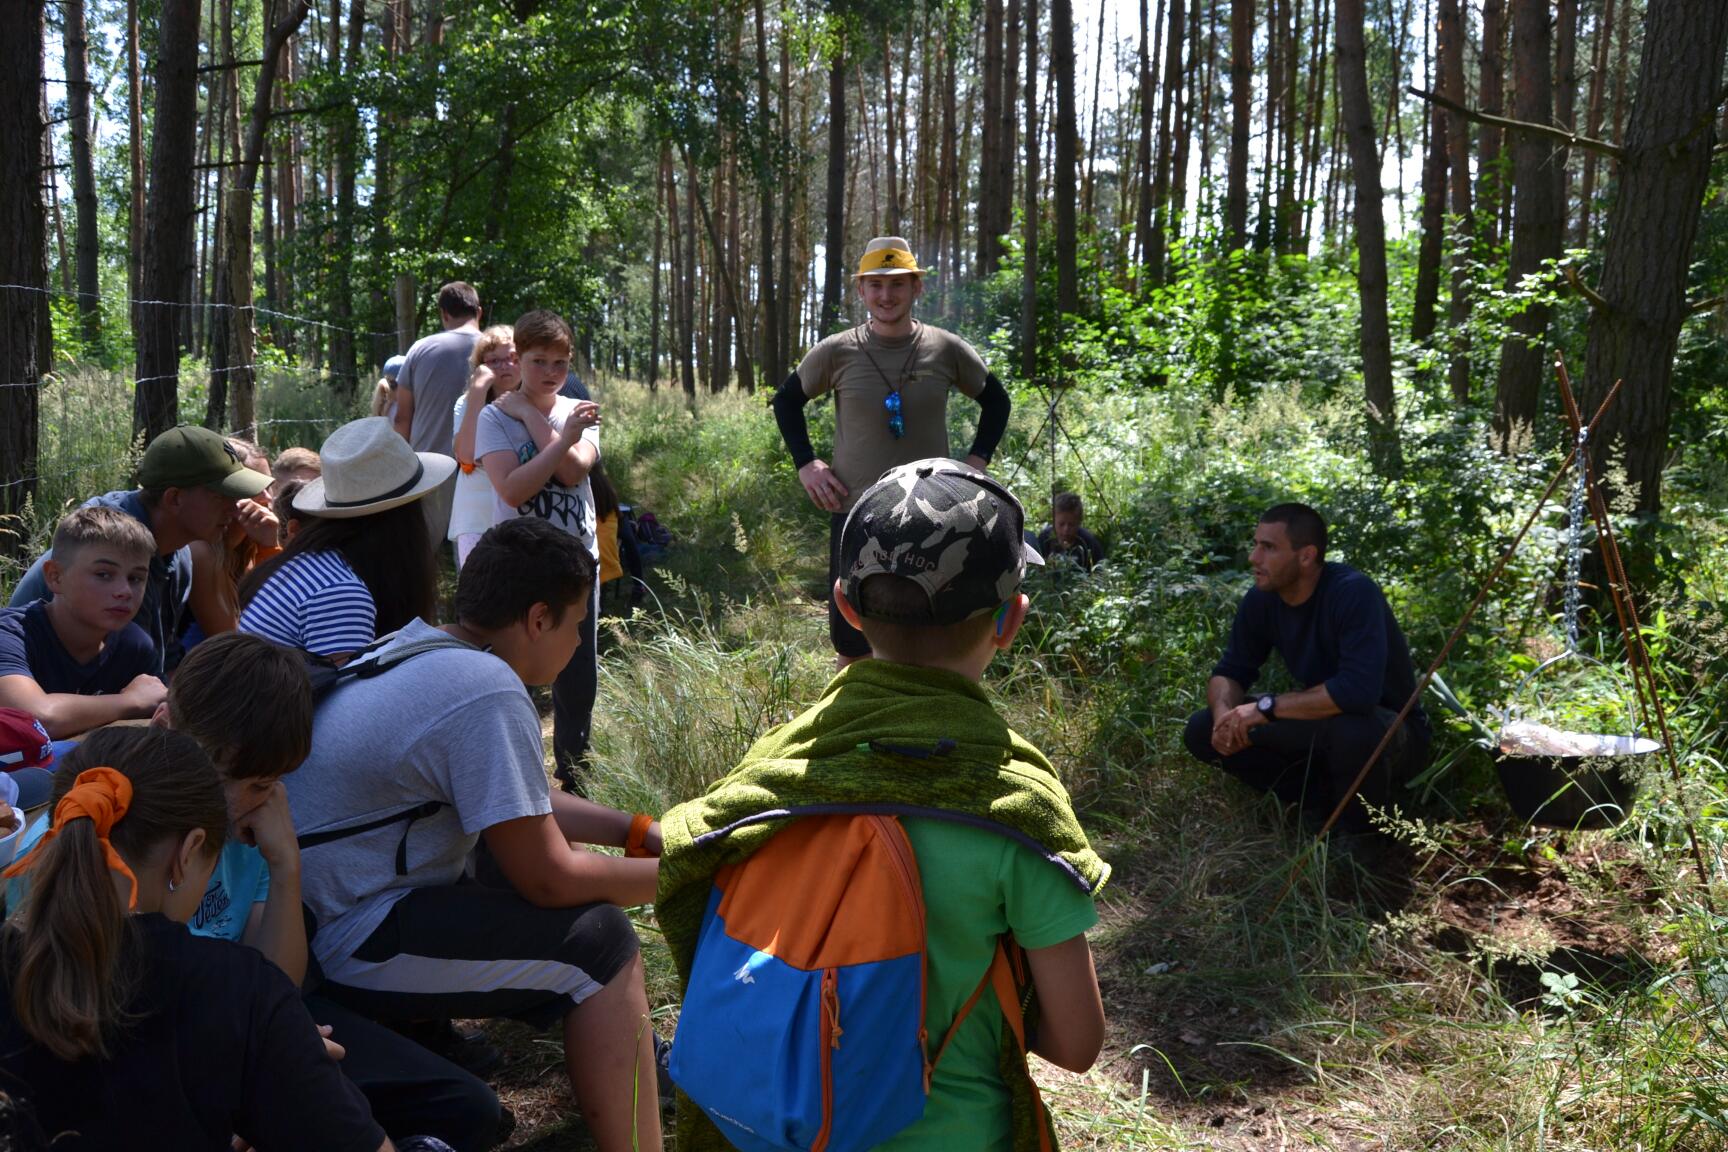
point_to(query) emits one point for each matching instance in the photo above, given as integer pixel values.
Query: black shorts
(474, 951)
(847, 640)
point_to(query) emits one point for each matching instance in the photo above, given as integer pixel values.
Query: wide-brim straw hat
(888, 256)
(369, 468)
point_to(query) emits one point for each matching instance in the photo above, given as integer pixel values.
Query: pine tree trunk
(163, 268)
(344, 369)
(654, 277)
(25, 352)
(1143, 153)
(768, 306)
(1088, 196)
(1007, 155)
(1284, 224)
(890, 123)
(86, 244)
(1066, 159)
(1376, 339)
(1652, 224)
(1490, 179)
(1565, 102)
(833, 278)
(1157, 239)
(1536, 226)
(696, 356)
(1593, 121)
(135, 152)
(1241, 108)
(1451, 82)
(1433, 225)
(1029, 281)
(989, 240)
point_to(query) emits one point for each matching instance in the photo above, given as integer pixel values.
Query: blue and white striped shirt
(316, 602)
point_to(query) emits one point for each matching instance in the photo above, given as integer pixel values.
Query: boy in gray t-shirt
(394, 801)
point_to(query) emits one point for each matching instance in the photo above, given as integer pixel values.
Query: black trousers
(573, 694)
(413, 1092)
(1312, 762)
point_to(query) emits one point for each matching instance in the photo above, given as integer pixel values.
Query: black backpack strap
(406, 816)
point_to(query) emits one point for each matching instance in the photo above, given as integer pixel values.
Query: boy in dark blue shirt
(1336, 635)
(78, 661)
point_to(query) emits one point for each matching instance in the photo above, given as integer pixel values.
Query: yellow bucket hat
(888, 256)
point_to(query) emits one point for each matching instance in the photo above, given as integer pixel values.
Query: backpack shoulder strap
(1001, 974)
(373, 661)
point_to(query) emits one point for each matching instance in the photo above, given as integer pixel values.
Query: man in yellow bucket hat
(890, 377)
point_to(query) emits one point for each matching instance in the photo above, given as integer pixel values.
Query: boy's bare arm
(548, 872)
(65, 715)
(1070, 1010)
(589, 823)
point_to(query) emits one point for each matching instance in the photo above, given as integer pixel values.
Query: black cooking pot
(1575, 791)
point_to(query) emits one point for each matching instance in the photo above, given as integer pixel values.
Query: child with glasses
(495, 372)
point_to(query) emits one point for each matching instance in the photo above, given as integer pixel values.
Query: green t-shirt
(977, 885)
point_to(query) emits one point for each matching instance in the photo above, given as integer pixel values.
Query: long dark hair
(388, 550)
(66, 948)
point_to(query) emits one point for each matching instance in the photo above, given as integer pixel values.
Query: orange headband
(100, 795)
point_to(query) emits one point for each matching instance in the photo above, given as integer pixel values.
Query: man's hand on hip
(825, 489)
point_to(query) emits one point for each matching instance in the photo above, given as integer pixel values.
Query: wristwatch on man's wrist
(1268, 705)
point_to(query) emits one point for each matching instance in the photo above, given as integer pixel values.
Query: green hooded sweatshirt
(884, 738)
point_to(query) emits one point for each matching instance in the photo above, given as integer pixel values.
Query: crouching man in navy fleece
(1336, 635)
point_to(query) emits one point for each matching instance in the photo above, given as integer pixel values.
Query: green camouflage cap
(949, 528)
(188, 456)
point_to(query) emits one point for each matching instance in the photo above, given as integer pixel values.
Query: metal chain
(1575, 543)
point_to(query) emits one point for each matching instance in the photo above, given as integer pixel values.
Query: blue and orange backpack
(803, 1021)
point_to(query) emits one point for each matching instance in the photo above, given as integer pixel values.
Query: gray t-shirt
(565, 506)
(861, 369)
(435, 373)
(454, 726)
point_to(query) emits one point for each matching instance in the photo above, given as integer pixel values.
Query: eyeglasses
(499, 360)
(896, 420)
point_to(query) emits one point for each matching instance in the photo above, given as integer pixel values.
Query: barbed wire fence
(85, 443)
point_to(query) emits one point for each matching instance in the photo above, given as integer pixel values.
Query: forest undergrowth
(1526, 989)
(1523, 989)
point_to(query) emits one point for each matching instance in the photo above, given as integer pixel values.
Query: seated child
(1067, 535)
(493, 371)
(184, 1042)
(290, 518)
(413, 768)
(606, 518)
(384, 391)
(248, 704)
(998, 847)
(78, 661)
(300, 464)
(218, 566)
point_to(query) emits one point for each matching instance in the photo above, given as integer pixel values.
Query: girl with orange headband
(121, 1029)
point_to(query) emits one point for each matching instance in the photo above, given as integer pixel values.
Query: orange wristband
(633, 843)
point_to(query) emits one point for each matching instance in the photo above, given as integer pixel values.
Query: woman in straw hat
(361, 565)
(890, 377)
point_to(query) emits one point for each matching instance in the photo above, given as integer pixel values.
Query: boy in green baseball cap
(188, 484)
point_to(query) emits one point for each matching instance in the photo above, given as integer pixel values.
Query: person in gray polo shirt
(432, 377)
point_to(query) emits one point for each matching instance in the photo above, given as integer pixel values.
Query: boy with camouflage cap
(931, 562)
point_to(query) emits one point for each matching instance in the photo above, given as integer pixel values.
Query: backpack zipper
(893, 834)
(828, 1039)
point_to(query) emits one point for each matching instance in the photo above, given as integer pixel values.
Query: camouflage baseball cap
(951, 529)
